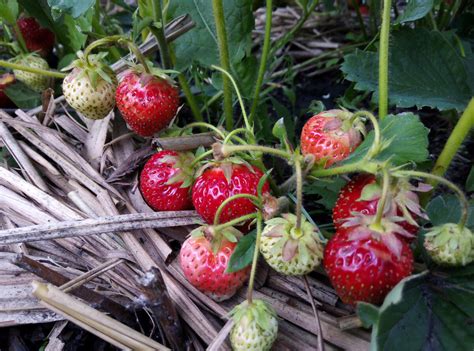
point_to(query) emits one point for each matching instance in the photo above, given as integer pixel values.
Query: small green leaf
(368, 313)
(415, 10)
(243, 253)
(22, 96)
(279, 130)
(9, 10)
(72, 7)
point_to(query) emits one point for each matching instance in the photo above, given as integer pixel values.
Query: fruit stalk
(360, 166)
(100, 42)
(432, 177)
(160, 34)
(263, 59)
(255, 257)
(218, 10)
(234, 222)
(376, 145)
(383, 60)
(19, 38)
(230, 149)
(43, 72)
(299, 191)
(204, 125)
(459, 133)
(224, 203)
(138, 54)
(383, 199)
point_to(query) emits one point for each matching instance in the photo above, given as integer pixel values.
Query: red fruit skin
(36, 38)
(364, 270)
(334, 146)
(147, 103)
(6, 80)
(159, 195)
(206, 270)
(347, 202)
(212, 188)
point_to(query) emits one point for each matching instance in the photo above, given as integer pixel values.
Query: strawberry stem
(459, 133)
(377, 144)
(383, 59)
(138, 54)
(263, 59)
(204, 125)
(432, 177)
(360, 166)
(299, 191)
(200, 157)
(230, 149)
(255, 257)
(19, 38)
(383, 200)
(218, 12)
(159, 33)
(43, 72)
(101, 42)
(224, 203)
(238, 131)
(241, 101)
(235, 222)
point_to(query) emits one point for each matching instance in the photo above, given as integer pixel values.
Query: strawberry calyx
(217, 238)
(93, 67)
(226, 165)
(182, 162)
(292, 240)
(150, 72)
(343, 121)
(450, 244)
(257, 310)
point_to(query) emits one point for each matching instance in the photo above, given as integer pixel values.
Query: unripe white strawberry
(288, 250)
(450, 245)
(35, 81)
(255, 326)
(90, 87)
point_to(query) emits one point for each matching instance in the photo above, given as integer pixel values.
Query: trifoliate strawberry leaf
(415, 10)
(425, 70)
(407, 137)
(427, 311)
(243, 253)
(200, 44)
(447, 209)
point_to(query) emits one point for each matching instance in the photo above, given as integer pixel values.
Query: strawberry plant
(359, 196)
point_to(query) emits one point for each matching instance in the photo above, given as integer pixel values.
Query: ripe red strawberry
(147, 103)
(36, 38)
(204, 264)
(222, 181)
(330, 136)
(364, 266)
(165, 181)
(362, 195)
(6, 80)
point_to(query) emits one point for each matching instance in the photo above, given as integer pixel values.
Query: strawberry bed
(236, 175)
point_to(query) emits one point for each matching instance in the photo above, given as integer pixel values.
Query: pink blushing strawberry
(165, 181)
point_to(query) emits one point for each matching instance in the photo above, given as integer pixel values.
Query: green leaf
(447, 209)
(408, 140)
(414, 10)
(22, 96)
(243, 253)
(470, 180)
(368, 313)
(200, 44)
(425, 70)
(72, 7)
(9, 10)
(328, 189)
(427, 312)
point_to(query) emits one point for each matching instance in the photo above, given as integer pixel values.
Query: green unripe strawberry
(450, 245)
(288, 250)
(255, 326)
(35, 81)
(90, 87)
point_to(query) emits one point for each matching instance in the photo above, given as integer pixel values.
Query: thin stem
(99, 29)
(201, 157)
(230, 149)
(299, 191)
(19, 38)
(218, 11)
(432, 21)
(159, 33)
(137, 53)
(235, 222)
(383, 198)
(253, 270)
(224, 203)
(235, 132)
(263, 59)
(361, 166)
(316, 314)
(101, 42)
(376, 145)
(239, 96)
(383, 60)
(43, 72)
(204, 125)
(432, 177)
(355, 4)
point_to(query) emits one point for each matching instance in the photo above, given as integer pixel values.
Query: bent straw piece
(92, 320)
